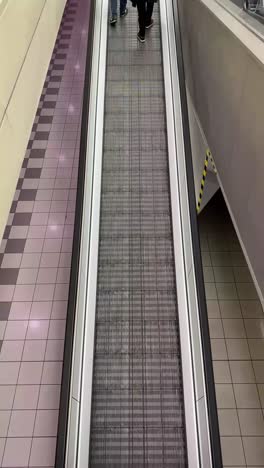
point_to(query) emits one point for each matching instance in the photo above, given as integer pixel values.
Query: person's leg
(123, 4)
(141, 5)
(113, 18)
(150, 6)
(114, 7)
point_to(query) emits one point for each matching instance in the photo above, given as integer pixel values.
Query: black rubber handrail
(71, 312)
(205, 336)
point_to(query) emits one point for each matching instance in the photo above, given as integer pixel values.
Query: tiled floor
(236, 323)
(35, 258)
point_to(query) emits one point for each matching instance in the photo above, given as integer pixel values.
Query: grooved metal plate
(137, 407)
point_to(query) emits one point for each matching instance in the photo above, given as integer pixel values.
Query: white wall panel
(224, 66)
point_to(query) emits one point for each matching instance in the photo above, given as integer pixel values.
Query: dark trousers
(145, 10)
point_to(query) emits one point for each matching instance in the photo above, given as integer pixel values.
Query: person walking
(123, 10)
(145, 10)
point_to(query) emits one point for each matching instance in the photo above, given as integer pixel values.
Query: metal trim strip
(88, 350)
(210, 448)
(180, 268)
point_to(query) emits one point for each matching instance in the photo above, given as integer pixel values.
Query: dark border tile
(4, 310)
(8, 276)
(45, 119)
(7, 232)
(15, 246)
(27, 195)
(52, 91)
(32, 173)
(22, 219)
(13, 207)
(50, 104)
(37, 153)
(19, 184)
(42, 135)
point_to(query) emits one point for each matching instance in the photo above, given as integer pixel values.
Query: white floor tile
(216, 328)
(254, 327)
(210, 291)
(254, 450)
(225, 396)
(234, 328)
(251, 422)
(228, 422)
(242, 372)
(237, 348)
(226, 291)
(218, 349)
(224, 274)
(232, 451)
(221, 372)
(246, 291)
(259, 371)
(251, 309)
(242, 275)
(261, 394)
(213, 309)
(256, 348)
(246, 396)
(230, 309)
(208, 274)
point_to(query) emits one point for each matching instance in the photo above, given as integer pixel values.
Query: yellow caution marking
(208, 158)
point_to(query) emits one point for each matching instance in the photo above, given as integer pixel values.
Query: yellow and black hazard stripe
(210, 157)
(207, 158)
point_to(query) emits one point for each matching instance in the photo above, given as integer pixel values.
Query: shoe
(124, 13)
(141, 38)
(113, 20)
(148, 26)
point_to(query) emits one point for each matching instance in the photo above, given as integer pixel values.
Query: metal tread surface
(137, 404)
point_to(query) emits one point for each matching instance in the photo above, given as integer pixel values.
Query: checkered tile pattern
(35, 257)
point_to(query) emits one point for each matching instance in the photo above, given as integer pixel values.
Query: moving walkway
(138, 385)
